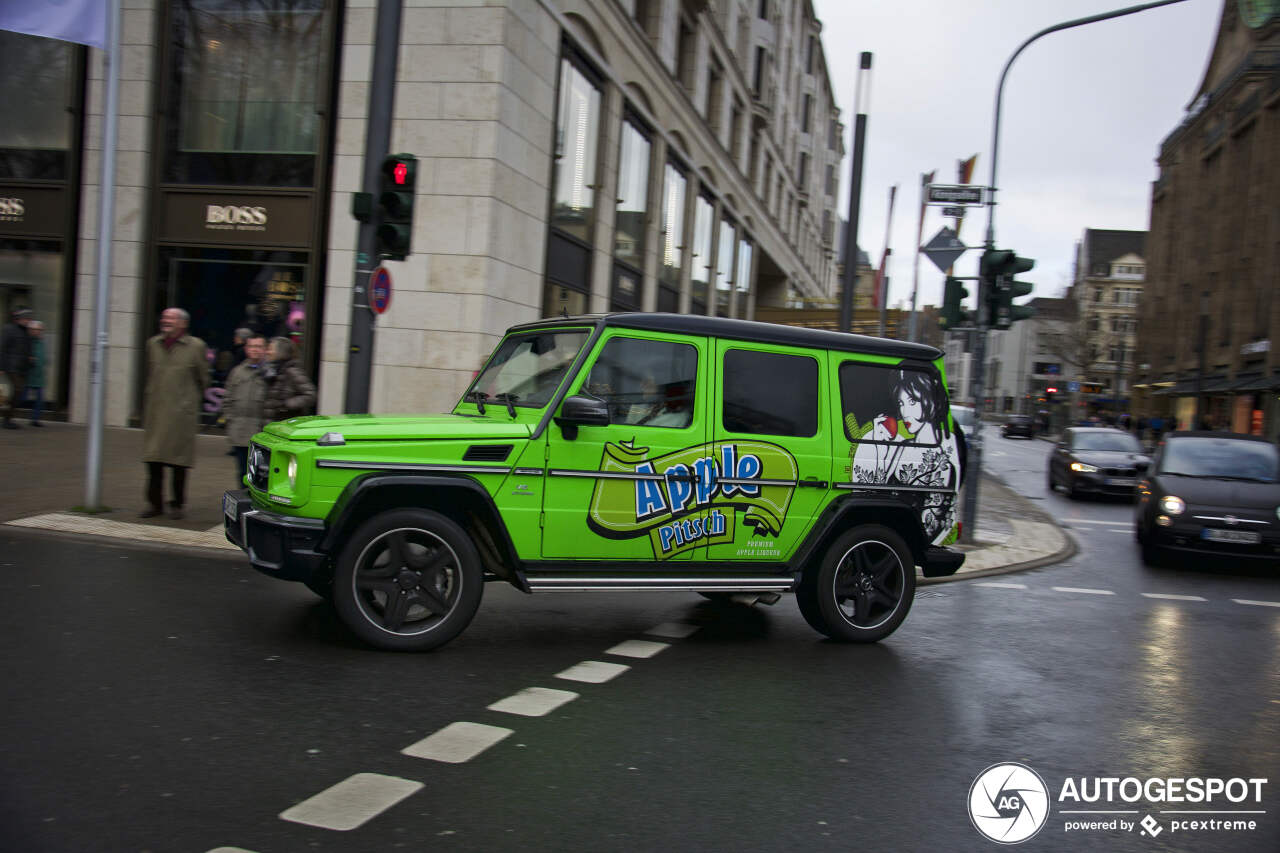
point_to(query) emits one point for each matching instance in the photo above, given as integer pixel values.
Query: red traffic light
(400, 173)
(1051, 390)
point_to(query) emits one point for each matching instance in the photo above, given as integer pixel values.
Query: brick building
(1209, 319)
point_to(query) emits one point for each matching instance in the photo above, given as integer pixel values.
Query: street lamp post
(862, 99)
(980, 349)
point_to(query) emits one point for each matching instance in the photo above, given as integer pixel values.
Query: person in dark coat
(35, 375)
(242, 404)
(177, 375)
(289, 392)
(15, 360)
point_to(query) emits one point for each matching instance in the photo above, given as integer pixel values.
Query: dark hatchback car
(1211, 493)
(1021, 425)
(1101, 460)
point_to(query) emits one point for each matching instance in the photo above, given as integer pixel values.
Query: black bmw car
(1101, 460)
(1211, 493)
(1021, 425)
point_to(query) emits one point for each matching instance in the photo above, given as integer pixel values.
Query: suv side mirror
(582, 410)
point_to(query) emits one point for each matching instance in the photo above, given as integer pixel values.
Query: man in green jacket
(177, 374)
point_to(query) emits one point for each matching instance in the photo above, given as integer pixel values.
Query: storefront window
(31, 275)
(35, 85)
(724, 268)
(742, 278)
(633, 196)
(246, 91)
(702, 261)
(577, 134)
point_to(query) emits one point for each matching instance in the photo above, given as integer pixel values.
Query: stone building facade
(573, 155)
(1210, 318)
(1110, 272)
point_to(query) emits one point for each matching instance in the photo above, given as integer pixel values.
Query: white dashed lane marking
(999, 585)
(534, 701)
(1173, 597)
(1098, 521)
(1256, 603)
(1083, 590)
(229, 850)
(352, 801)
(637, 649)
(593, 672)
(457, 743)
(673, 630)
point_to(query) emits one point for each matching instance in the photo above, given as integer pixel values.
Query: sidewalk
(44, 471)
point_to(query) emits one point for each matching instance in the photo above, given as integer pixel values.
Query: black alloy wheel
(408, 580)
(863, 588)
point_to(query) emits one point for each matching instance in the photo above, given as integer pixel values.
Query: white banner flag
(80, 21)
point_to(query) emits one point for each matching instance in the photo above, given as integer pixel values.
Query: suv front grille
(259, 466)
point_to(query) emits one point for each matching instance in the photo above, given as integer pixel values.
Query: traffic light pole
(980, 345)
(382, 90)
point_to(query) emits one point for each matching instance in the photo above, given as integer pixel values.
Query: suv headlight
(292, 470)
(1083, 468)
(1173, 505)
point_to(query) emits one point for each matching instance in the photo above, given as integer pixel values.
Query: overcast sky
(1084, 113)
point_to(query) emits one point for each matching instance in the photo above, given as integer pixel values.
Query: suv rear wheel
(408, 580)
(863, 588)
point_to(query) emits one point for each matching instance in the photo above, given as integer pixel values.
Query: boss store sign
(255, 220)
(32, 211)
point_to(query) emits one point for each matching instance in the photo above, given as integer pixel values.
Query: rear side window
(768, 393)
(892, 404)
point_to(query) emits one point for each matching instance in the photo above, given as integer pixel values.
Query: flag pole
(882, 280)
(926, 178)
(106, 223)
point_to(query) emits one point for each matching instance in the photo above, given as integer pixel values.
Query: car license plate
(1246, 537)
(229, 507)
(1120, 481)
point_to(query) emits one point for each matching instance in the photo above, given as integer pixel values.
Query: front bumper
(1188, 537)
(1102, 483)
(282, 546)
(940, 562)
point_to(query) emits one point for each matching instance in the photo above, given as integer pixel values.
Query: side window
(892, 404)
(770, 393)
(646, 383)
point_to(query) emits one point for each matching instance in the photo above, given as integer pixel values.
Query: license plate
(1120, 481)
(229, 507)
(1247, 537)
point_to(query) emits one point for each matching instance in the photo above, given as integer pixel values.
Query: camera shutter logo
(1008, 803)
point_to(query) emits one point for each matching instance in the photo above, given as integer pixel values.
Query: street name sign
(944, 249)
(955, 194)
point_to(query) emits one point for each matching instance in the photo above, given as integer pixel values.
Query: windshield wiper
(510, 400)
(477, 397)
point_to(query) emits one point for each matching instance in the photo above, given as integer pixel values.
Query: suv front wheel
(408, 580)
(862, 589)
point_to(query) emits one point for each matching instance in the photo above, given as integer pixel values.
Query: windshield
(962, 416)
(1119, 441)
(527, 368)
(1223, 458)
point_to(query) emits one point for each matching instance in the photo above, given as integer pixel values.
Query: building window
(724, 267)
(802, 174)
(686, 53)
(38, 87)
(633, 196)
(715, 96)
(833, 134)
(703, 213)
(577, 134)
(757, 78)
(673, 197)
(245, 92)
(762, 10)
(831, 179)
(735, 134)
(742, 277)
(805, 109)
(808, 56)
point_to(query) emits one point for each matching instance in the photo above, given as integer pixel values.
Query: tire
(862, 589)
(1053, 487)
(436, 587)
(1152, 555)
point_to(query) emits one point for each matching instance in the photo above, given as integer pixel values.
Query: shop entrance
(228, 289)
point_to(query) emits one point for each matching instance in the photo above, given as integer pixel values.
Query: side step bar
(579, 583)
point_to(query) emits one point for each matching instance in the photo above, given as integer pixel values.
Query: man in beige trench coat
(177, 374)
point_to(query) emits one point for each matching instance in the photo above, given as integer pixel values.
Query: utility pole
(861, 99)
(382, 91)
(969, 522)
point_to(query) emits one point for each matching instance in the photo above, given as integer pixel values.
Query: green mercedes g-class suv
(624, 452)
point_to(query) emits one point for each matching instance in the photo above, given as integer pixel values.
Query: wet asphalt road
(164, 701)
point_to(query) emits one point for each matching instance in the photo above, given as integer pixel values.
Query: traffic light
(395, 206)
(953, 313)
(999, 266)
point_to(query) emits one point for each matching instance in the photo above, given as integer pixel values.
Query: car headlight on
(1083, 468)
(1173, 505)
(292, 471)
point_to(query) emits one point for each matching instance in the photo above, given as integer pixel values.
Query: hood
(1201, 492)
(397, 427)
(1112, 458)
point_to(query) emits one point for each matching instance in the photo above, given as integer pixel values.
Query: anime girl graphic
(913, 447)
